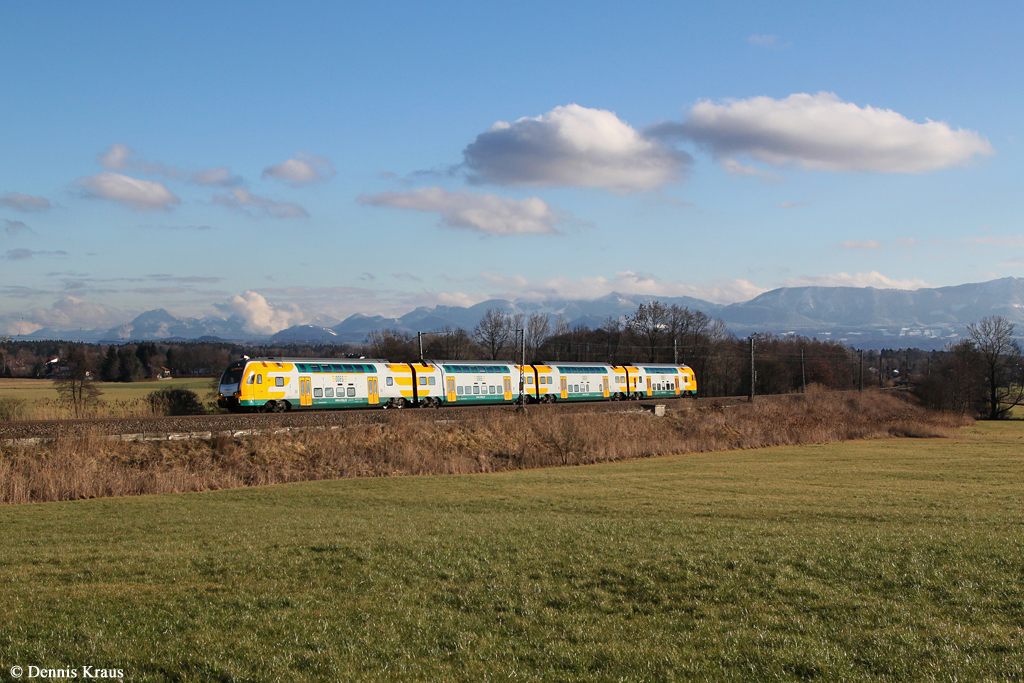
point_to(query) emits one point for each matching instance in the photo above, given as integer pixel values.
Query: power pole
(419, 338)
(881, 371)
(675, 351)
(522, 373)
(753, 374)
(803, 375)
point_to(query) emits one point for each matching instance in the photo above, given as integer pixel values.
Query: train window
(476, 389)
(318, 393)
(576, 388)
(390, 381)
(351, 391)
(423, 381)
(458, 390)
(251, 379)
(432, 380)
(314, 368)
(529, 380)
(328, 392)
(490, 390)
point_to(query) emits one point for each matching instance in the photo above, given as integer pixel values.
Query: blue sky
(320, 159)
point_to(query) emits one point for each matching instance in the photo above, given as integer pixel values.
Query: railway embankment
(65, 461)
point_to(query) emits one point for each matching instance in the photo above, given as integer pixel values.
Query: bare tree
(1000, 362)
(75, 384)
(391, 344)
(448, 343)
(495, 332)
(4, 341)
(611, 328)
(958, 384)
(649, 325)
(538, 329)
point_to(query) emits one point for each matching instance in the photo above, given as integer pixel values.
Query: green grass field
(887, 560)
(34, 389)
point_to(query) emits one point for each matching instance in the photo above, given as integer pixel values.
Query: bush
(176, 402)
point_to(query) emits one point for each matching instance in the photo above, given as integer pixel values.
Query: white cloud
(862, 244)
(624, 282)
(734, 167)
(303, 169)
(116, 157)
(1010, 242)
(24, 202)
(821, 132)
(14, 227)
(219, 176)
(22, 254)
(241, 200)
(771, 42)
(145, 195)
(572, 146)
(486, 213)
(68, 312)
(872, 279)
(119, 157)
(261, 316)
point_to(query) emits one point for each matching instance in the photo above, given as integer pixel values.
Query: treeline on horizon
(964, 377)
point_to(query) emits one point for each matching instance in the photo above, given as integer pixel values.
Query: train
(277, 385)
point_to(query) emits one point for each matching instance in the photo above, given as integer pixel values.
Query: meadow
(37, 399)
(885, 560)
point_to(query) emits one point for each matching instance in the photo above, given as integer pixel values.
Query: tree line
(981, 374)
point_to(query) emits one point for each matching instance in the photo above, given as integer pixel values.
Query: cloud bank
(624, 282)
(872, 279)
(303, 169)
(572, 146)
(486, 213)
(821, 132)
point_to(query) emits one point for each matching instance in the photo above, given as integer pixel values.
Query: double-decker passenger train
(281, 384)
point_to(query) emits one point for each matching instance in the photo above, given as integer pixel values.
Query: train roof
(282, 359)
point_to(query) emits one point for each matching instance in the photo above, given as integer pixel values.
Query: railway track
(204, 426)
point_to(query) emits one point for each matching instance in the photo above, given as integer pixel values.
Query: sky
(301, 162)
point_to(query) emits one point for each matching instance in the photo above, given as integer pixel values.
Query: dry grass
(88, 465)
(37, 399)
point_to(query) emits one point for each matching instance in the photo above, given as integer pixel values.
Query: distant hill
(860, 316)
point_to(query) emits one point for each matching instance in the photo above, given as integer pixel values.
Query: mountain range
(863, 317)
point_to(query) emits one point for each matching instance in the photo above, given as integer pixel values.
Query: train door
(305, 391)
(565, 389)
(373, 395)
(649, 392)
(451, 388)
(605, 387)
(677, 386)
(508, 388)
